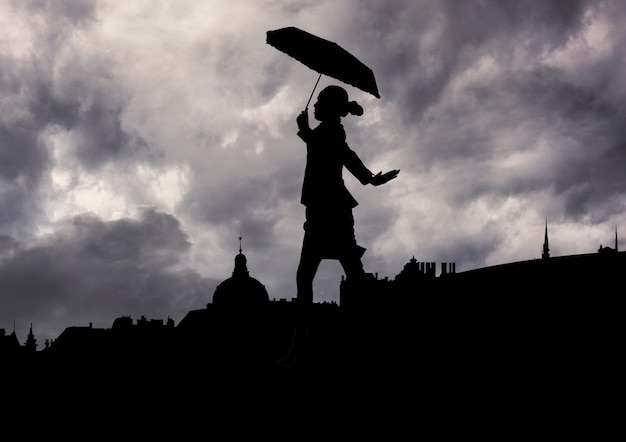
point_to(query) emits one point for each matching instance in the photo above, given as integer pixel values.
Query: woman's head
(332, 102)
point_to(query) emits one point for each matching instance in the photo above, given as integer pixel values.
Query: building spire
(241, 268)
(546, 248)
(31, 341)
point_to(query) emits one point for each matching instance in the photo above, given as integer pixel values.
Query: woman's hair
(339, 99)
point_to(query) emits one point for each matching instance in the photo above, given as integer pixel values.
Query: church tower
(240, 290)
(31, 342)
(546, 248)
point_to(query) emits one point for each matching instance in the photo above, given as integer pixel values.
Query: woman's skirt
(329, 234)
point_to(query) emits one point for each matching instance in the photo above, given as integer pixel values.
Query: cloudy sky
(139, 139)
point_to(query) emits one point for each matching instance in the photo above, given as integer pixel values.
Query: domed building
(240, 290)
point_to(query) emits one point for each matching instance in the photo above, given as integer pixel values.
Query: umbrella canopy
(324, 57)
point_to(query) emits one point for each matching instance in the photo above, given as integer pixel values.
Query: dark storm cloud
(56, 87)
(580, 123)
(591, 131)
(95, 270)
(21, 156)
(48, 108)
(95, 127)
(73, 11)
(57, 82)
(576, 135)
(23, 160)
(274, 77)
(100, 137)
(156, 240)
(416, 71)
(244, 206)
(8, 246)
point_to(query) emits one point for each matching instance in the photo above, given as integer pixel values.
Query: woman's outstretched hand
(381, 178)
(303, 120)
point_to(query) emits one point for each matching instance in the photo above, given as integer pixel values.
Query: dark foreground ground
(520, 368)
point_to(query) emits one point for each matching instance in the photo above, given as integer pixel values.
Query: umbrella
(324, 57)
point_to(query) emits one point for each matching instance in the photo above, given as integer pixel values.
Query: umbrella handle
(312, 92)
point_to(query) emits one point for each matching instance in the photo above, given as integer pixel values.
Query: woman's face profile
(323, 109)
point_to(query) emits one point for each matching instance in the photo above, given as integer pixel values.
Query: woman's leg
(351, 256)
(304, 277)
(309, 263)
(353, 266)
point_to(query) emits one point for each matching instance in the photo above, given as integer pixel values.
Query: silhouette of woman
(329, 225)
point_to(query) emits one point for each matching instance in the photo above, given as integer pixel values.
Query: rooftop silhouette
(241, 324)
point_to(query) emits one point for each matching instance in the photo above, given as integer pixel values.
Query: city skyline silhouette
(599, 271)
